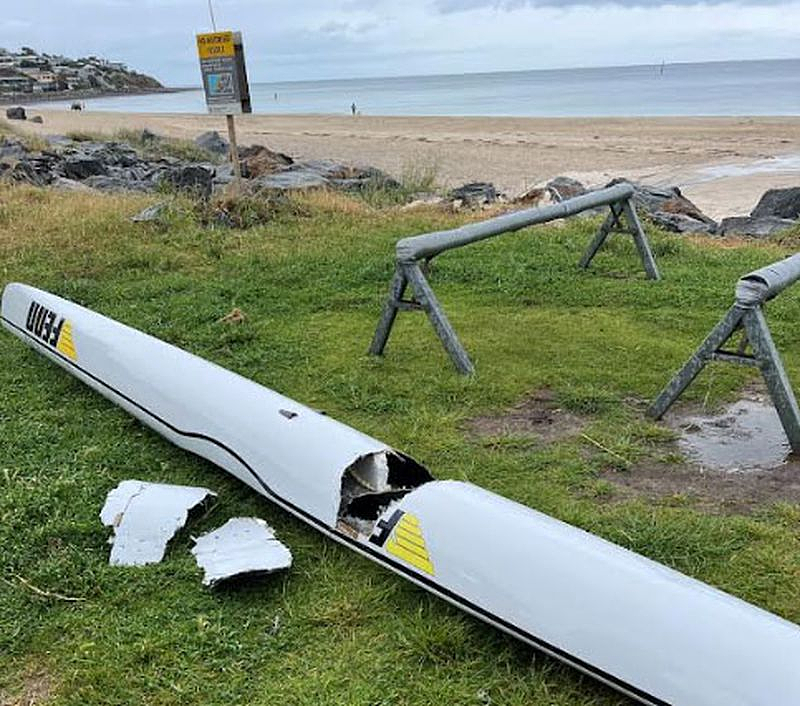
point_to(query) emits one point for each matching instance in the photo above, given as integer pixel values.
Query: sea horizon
(714, 88)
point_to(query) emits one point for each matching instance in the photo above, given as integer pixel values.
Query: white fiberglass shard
(242, 546)
(144, 517)
(636, 625)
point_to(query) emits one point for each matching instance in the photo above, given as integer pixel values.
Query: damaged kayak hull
(643, 629)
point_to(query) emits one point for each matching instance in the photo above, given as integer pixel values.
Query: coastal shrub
(420, 175)
(417, 176)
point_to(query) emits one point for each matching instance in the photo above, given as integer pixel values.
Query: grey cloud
(453, 6)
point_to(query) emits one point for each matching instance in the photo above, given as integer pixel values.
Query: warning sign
(224, 75)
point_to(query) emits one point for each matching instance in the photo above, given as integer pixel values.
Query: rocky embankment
(118, 166)
(667, 207)
(147, 166)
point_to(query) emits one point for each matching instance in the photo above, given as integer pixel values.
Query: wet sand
(723, 164)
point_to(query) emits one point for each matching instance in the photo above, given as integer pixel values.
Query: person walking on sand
(353, 108)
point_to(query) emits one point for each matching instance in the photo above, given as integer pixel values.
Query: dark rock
(38, 169)
(23, 172)
(16, 113)
(81, 166)
(211, 141)
(681, 223)
(258, 160)
(194, 178)
(346, 177)
(669, 208)
(152, 214)
(38, 119)
(562, 188)
(751, 227)
(780, 203)
(475, 193)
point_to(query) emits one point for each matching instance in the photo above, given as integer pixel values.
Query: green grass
(337, 629)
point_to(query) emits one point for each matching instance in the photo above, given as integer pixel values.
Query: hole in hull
(371, 484)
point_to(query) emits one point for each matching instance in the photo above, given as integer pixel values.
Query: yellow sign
(408, 544)
(215, 45)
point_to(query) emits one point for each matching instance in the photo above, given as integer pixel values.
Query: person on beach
(353, 108)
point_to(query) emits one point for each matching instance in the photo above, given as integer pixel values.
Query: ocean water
(714, 88)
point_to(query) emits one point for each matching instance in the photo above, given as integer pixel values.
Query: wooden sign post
(225, 83)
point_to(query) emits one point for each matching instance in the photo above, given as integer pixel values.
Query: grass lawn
(337, 629)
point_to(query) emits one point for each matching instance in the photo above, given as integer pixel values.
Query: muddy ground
(734, 459)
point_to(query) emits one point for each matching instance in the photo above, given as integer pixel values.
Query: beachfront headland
(26, 73)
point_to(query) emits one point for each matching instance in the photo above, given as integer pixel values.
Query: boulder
(681, 223)
(16, 113)
(38, 119)
(258, 160)
(38, 169)
(194, 178)
(82, 166)
(211, 141)
(476, 193)
(562, 188)
(669, 208)
(751, 227)
(779, 203)
(23, 172)
(346, 177)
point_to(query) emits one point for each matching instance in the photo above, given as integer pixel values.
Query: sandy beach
(723, 164)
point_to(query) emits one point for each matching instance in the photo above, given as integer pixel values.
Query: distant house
(43, 80)
(7, 61)
(13, 82)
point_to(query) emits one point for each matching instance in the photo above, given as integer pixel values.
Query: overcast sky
(308, 39)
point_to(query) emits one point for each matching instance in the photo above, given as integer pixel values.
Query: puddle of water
(747, 435)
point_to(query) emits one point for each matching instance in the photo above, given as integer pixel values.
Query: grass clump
(416, 177)
(336, 628)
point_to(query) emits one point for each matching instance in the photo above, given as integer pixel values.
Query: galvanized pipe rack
(752, 291)
(411, 252)
(429, 245)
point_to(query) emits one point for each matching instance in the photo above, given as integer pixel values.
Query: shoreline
(26, 99)
(724, 164)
